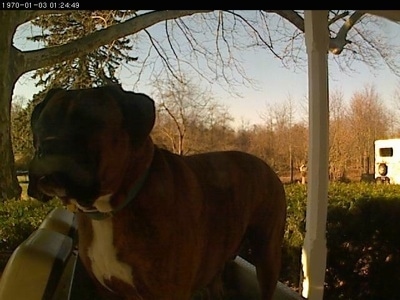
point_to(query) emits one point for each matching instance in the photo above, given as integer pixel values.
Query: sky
(275, 83)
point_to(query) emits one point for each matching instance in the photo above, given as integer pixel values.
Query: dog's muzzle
(60, 176)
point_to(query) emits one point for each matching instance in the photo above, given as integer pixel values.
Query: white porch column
(314, 248)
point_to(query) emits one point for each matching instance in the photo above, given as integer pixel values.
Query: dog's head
(83, 141)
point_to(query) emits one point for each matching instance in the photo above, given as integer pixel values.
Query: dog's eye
(52, 147)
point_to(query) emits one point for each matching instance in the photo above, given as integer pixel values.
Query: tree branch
(292, 16)
(35, 59)
(269, 45)
(337, 44)
(163, 57)
(393, 15)
(338, 17)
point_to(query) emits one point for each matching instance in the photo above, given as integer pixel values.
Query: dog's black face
(64, 164)
(82, 138)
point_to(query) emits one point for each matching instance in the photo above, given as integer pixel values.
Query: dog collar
(98, 215)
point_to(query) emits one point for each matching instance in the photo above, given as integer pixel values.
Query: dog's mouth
(60, 186)
(52, 185)
(63, 178)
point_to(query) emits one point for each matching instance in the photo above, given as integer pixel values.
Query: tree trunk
(9, 186)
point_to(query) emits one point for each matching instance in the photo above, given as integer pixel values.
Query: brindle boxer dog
(152, 224)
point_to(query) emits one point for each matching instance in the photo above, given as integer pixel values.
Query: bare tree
(339, 136)
(395, 123)
(184, 110)
(367, 116)
(280, 118)
(215, 131)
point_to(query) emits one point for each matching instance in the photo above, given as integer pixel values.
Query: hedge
(18, 219)
(363, 240)
(363, 237)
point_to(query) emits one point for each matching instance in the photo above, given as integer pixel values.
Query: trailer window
(385, 152)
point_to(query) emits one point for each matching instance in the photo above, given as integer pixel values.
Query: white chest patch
(103, 255)
(103, 203)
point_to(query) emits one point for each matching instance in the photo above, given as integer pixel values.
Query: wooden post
(291, 170)
(303, 173)
(365, 163)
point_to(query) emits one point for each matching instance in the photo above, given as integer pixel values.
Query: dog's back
(243, 200)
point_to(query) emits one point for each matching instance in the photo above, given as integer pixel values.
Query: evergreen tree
(93, 69)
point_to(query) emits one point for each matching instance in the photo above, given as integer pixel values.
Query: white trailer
(387, 161)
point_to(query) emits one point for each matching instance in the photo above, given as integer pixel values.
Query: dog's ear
(40, 106)
(139, 115)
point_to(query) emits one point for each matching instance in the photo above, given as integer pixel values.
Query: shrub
(18, 219)
(363, 240)
(296, 196)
